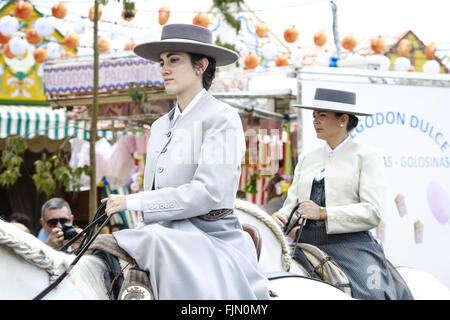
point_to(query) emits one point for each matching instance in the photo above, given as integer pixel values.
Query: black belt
(217, 214)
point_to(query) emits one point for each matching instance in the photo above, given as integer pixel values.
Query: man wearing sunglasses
(54, 214)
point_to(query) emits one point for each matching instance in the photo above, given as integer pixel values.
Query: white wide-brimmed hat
(186, 38)
(335, 100)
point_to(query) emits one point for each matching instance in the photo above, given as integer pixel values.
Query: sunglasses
(53, 222)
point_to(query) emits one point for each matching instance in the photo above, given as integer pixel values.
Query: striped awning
(29, 121)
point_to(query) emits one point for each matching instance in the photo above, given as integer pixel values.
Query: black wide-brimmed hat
(186, 38)
(334, 100)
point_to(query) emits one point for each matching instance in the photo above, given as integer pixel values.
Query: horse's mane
(262, 216)
(32, 249)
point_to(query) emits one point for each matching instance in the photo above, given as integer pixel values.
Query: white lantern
(402, 64)
(431, 67)
(384, 62)
(297, 56)
(353, 56)
(44, 27)
(53, 50)
(269, 51)
(323, 59)
(113, 33)
(150, 35)
(80, 25)
(18, 46)
(8, 25)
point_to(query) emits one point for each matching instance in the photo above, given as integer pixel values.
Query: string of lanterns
(43, 28)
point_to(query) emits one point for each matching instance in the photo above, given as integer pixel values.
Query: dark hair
(352, 120)
(21, 218)
(210, 72)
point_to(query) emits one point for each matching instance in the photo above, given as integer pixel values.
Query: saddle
(121, 284)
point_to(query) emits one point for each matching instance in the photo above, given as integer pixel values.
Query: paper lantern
(103, 45)
(281, 60)
(33, 37)
(67, 54)
(53, 50)
(383, 61)
(412, 69)
(59, 10)
(323, 59)
(129, 45)
(430, 50)
(8, 25)
(269, 51)
(80, 25)
(320, 38)
(7, 51)
(18, 46)
(431, 67)
(202, 19)
(72, 40)
(113, 32)
(4, 39)
(349, 42)
(404, 48)
(128, 15)
(92, 11)
(291, 34)
(296, 56)
(23, 9)
(262, 30)
(402, 64)
(378, 44)
(40, 55)
(251, 61)
(163, 15)
(44, 27)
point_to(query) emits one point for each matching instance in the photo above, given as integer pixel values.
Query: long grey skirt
(185, 262)
(362, 259)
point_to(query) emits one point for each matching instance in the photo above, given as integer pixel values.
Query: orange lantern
(412, 69)
(103, 45)
(282, 60)
(404, 48)
(4, 39)
(430, 50)
(251, 61)
(202, 19)
(59, 10)
(72, 40)
(40, 55)
(320, 38)
(32, 36)
(262, 30)
(291, 34)
(23, 9)
(92, 10)
(163, 15)
(7, 51)
(349, 42)
(129, 45)
(378, 45)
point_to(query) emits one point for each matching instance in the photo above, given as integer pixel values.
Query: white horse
(274, 255)
(28, 266)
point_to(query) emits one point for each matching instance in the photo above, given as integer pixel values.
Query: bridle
(85, 243)
(300, 221)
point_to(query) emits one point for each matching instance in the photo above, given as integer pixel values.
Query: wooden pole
(93, 132)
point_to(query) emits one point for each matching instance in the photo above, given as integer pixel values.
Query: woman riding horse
(341, 189)
(189, 239)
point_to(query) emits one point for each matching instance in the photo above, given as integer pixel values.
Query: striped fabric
(128, 218)
(31, 121)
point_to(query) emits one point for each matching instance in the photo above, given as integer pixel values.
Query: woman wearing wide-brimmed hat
(341, 189)
(189, 239)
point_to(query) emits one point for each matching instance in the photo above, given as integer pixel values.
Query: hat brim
(152, 50)
(334, 110)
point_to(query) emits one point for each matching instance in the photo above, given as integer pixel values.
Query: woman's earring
(342, 125)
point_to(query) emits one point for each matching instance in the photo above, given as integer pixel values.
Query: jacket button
(160, 169)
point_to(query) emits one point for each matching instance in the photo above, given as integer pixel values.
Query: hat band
(184, 40)
(337, 106)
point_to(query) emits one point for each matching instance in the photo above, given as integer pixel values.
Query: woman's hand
(310, 210)
(279, 218)
(115, 203)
